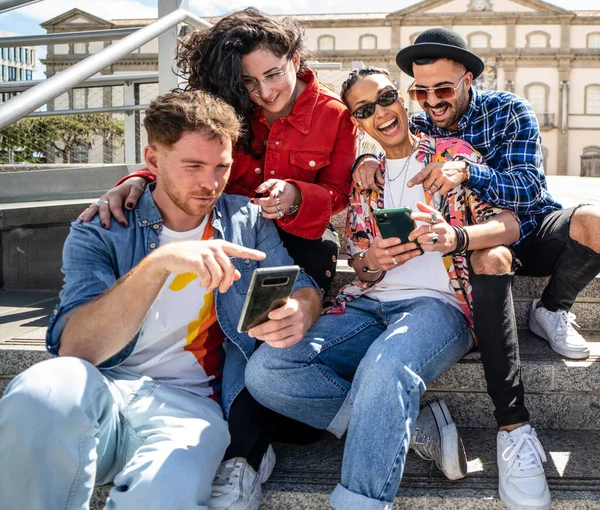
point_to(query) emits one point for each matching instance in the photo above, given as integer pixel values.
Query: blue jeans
(65, 426)
(389, 351)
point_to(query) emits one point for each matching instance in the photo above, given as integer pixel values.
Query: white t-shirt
(425, 275)
(180, 342)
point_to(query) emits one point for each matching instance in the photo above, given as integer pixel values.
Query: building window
(537, 95)
(12, 73)
(28, 75)
(21, 55)
(3, 73)
(537, 40)
(367, 42)
(479, 40)
(32, 55)
(78, 99)
(593, 41)
(590, 161)
(79, 155)
(26, 56)
(326, 42)
(592, 100)
(80, 48)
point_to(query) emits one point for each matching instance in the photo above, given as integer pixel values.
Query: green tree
(33, 139)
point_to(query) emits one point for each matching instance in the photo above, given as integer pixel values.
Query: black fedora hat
(439, 43)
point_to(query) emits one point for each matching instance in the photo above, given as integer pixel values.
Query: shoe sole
(512, 505)
(454, 457)
(267, 465)
(563, 352)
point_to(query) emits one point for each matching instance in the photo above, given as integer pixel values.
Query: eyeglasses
(366, 110)
(251, 84)
(445, 92)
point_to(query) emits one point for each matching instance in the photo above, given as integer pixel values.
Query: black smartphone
(269, 289)
(395, 222)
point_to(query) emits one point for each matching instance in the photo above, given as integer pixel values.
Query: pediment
(457, 7)
(76, 17)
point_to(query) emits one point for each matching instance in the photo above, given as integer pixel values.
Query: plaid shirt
(503, 128)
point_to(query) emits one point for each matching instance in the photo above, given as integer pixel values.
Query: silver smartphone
(269, 289)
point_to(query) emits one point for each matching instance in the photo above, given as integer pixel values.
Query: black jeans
(548, 251)
(253, 427)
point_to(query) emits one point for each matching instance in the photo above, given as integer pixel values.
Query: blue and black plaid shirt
(503, 128)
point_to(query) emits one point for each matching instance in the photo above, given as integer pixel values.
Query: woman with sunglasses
(294, 161)
(298, 145)
(406, 314)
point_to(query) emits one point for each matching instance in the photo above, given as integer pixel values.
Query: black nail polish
(129, 205)
(124, 224)
(104, 225)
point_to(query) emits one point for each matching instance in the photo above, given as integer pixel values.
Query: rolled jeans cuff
(344, 499)
(341, 420)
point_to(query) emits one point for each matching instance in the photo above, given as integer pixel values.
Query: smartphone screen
(269, 289)
(395, 222)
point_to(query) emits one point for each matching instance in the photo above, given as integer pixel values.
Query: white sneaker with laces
(237, 486)
(436, 439)
(522, 482)
(558, 329)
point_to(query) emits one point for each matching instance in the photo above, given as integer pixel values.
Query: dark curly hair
(211, 59)
(357, 74)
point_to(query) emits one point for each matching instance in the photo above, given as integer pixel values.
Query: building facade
(547, 54)
(16, 64)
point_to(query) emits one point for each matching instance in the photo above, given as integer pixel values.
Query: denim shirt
(94, 258)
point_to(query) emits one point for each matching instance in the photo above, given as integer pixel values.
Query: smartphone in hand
(269, 289)
(395, 223)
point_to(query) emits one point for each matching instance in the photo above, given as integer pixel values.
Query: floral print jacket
(460, 207)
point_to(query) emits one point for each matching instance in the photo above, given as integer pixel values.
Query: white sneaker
(237, 486)
(436, 439)
(558, 329)
(522, 482)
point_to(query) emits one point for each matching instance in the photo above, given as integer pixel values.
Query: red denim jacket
(313, 147)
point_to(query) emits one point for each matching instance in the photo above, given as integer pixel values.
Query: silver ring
(101, 202)
(435, 239)
(433, 188)
(394, 261)
(278, 208)
(279, 215)
(277, 201)
(430, 228)
(359, 183)
(433, 218)
(387, 253)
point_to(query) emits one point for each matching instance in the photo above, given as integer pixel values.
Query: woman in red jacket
(294, 161)
(295, 156)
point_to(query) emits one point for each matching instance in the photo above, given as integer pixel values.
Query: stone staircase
(563, 397)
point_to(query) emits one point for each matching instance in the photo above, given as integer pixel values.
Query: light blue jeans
(389, 351)
(65, 426)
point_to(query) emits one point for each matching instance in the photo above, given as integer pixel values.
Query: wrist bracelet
(292, 210)
(462, 240)
(365, 269)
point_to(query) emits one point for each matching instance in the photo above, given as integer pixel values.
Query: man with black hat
(561, 243)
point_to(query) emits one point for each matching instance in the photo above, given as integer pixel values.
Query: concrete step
(560, 393)
(525, 289)
(304, 476)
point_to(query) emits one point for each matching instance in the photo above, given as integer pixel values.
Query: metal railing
(9, 5)
(49, 89)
